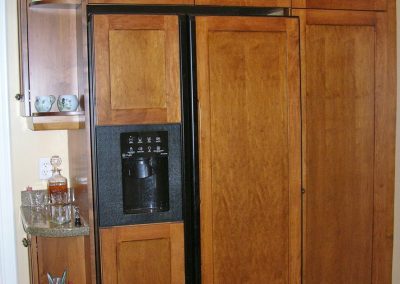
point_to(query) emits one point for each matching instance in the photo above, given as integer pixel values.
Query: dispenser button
(158, 139)
(140, 140)
(148, 139)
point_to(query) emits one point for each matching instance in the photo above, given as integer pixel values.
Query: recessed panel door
(348, 142)
(249, 131)
(136, 71)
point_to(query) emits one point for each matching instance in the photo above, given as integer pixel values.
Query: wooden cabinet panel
(249, 112)
(341, 4)
(136, 69)
(145, 2)
(248, 3)
(54, 255)
(143, 254)
(33, 260)
(49, 63)
(346, 108)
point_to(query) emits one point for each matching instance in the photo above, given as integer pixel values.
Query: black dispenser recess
(144, 157)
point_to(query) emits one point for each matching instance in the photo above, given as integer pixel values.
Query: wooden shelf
(58, 113)
(66, 4)
(56, 121)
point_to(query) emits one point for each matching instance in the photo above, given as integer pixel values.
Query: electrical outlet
(45, 168)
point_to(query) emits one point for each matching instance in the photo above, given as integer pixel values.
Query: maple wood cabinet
(49, 62)
(54, 255)
(341, 4)
(248, 76)
(142, 254)
(348, 118)
(136, 69)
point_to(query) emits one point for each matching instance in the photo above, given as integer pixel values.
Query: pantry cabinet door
(136, 69)
(249, 148)
(348, 147)
(341, 4)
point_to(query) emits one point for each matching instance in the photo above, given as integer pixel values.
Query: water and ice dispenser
(144, 158)
(138, 174)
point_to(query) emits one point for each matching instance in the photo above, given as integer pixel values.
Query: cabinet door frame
(105, 115)
(385, 113)
(256, 24)
(246, 3)
(111, 237)
(376, 5)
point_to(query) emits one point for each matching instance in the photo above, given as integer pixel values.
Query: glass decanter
(57, 182)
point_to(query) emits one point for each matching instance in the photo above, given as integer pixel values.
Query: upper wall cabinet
(49, 64)
(137, 69)
(249, 3)
(341, 4)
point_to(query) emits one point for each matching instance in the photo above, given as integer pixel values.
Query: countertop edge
(59, 231)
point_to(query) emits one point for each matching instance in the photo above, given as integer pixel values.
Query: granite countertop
(36, 222)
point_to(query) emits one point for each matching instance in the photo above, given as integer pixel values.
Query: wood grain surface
(149, 259)
(249, 106)
(341, 4)
(52, 53)
(343, 81)
(137, 73)
(57, 254)
(143, 87)
(385, 129)
(33, 260)
(150, 253)
(145, 2)
(246, 3)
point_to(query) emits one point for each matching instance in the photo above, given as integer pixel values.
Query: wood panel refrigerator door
(136, 70)
(341, 4)
(249, 128)
(348, 140)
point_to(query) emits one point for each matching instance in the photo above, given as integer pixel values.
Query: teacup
(44, 103)
(67, 103)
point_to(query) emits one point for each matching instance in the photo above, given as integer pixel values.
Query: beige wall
(26, 146)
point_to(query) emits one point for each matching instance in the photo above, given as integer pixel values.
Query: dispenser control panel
(134, 144)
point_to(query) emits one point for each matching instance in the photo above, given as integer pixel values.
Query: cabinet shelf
(58, 113)
(56, 120)
(66, 4)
